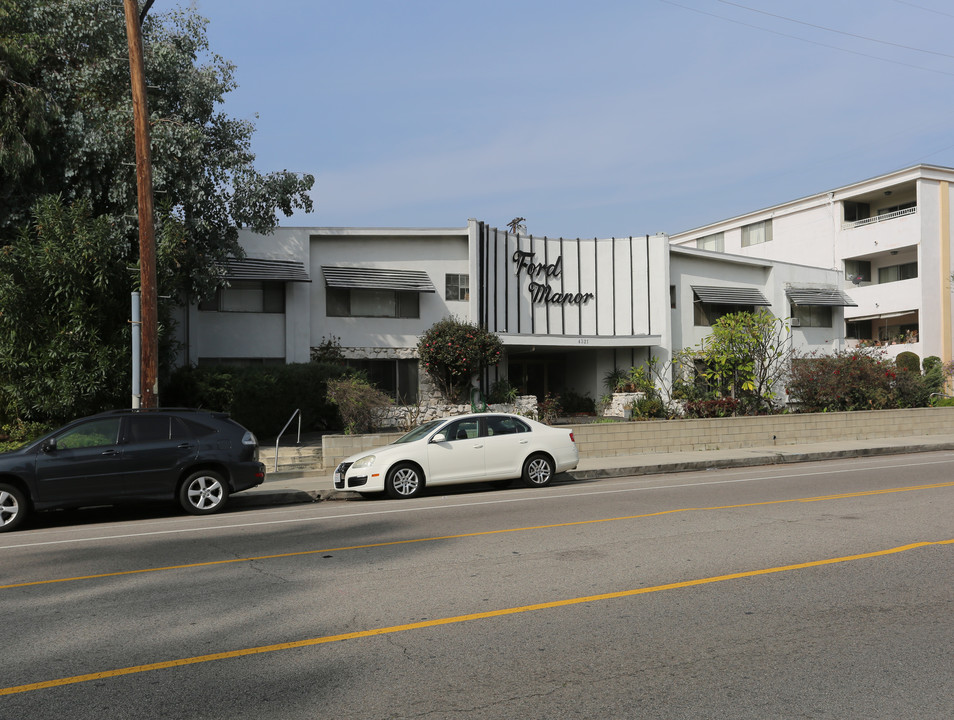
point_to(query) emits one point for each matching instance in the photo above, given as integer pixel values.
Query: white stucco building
(889, 238)
(568, 311)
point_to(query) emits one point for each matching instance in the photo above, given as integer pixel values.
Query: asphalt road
(821, 590)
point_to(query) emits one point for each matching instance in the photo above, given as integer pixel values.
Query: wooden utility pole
(149, 376)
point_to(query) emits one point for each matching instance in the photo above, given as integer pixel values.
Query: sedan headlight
(366, 461)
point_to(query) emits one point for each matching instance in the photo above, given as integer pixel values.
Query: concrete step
(291, 457)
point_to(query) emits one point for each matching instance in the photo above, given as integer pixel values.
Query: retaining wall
(661, 436)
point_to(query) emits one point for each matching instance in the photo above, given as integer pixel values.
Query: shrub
(909, 361)
(358, 402)
(648, 407)
(853, 380)
(502, 392)
(549, 409)
(715, 408)
(260, 398)
(19, 432)
(452, 352)
(935, 374)
(573, 402)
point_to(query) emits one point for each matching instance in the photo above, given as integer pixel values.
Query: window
(354, 302)
(95, 433)
(812, 315)
(462, 430)
(672, 296)
(757, 233)
(457, 286)
(855, 211)
(894, 273)
(716, 242)
(505, 426)
(892, 209)
(397, 378)
(154, 428)
(706, 314)
(250, 296)
(858, 271)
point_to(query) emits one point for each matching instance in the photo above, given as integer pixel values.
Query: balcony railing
(880, 218)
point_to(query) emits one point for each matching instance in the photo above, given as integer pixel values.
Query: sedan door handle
(478, 446)
(524, 442)
(110, 452)
(182, 446)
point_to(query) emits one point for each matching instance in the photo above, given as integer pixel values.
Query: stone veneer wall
(632, 438)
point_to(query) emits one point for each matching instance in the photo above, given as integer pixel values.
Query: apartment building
(889, 239)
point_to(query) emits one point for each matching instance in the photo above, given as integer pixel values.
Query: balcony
(879, 218)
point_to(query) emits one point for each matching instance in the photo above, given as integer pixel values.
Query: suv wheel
(13, 507)
(203, 493)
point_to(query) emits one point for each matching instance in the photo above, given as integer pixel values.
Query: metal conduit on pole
(136, 355)
(147, 237)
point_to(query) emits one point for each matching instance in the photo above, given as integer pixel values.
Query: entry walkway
(319, 486)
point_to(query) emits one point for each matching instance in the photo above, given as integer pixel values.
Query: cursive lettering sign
(541, 292)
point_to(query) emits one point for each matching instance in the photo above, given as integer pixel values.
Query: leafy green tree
(359, 403)
(747, 357)
(64, 337)
(453, 352)
(66, 131)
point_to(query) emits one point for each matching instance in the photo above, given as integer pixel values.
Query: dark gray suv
(196, 457)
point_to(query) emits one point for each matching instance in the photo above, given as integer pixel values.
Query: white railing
(880, 218)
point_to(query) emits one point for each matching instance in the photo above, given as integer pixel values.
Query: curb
(286, 496)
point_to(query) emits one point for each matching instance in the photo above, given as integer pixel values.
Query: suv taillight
(249, 440)
(572, 439)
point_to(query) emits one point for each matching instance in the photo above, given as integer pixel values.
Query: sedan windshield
(418, 432)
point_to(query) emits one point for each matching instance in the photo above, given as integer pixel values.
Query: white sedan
(465, 448)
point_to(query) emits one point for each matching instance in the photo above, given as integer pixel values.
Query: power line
(805, 40)
(838, 32)
(926, 9)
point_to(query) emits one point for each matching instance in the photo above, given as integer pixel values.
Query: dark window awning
(882, 316)
(819, 296)
(261, 269)
(361, 278)
(729, 295)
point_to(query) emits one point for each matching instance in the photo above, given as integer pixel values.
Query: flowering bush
(853, 380)
(452, 352)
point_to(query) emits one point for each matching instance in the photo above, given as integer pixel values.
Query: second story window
(248, 296)
(894, 273)
(757, 233)
(716, 242)
(457, 286)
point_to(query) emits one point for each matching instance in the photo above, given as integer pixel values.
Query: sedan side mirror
(439, 438)
(49, 445)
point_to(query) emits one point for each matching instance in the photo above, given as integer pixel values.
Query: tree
(747, 357)
(454, 351)
(66, 130)
(64, 343)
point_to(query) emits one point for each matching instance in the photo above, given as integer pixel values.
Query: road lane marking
(310, 642)
(483, 533)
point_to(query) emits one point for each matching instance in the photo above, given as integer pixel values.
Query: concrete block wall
(662, 436)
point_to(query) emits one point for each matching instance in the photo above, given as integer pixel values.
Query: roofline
(913, 171)
(740, 259)
(385, 231)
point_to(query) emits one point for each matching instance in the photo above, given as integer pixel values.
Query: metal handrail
(278, 439)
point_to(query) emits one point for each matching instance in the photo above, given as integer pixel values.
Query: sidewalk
(317, 487)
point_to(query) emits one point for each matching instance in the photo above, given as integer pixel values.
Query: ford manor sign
(540, 290)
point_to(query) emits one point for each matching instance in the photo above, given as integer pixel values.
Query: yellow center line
(483, 533)
(105, 674)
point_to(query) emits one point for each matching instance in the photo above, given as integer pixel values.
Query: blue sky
(598, 118)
